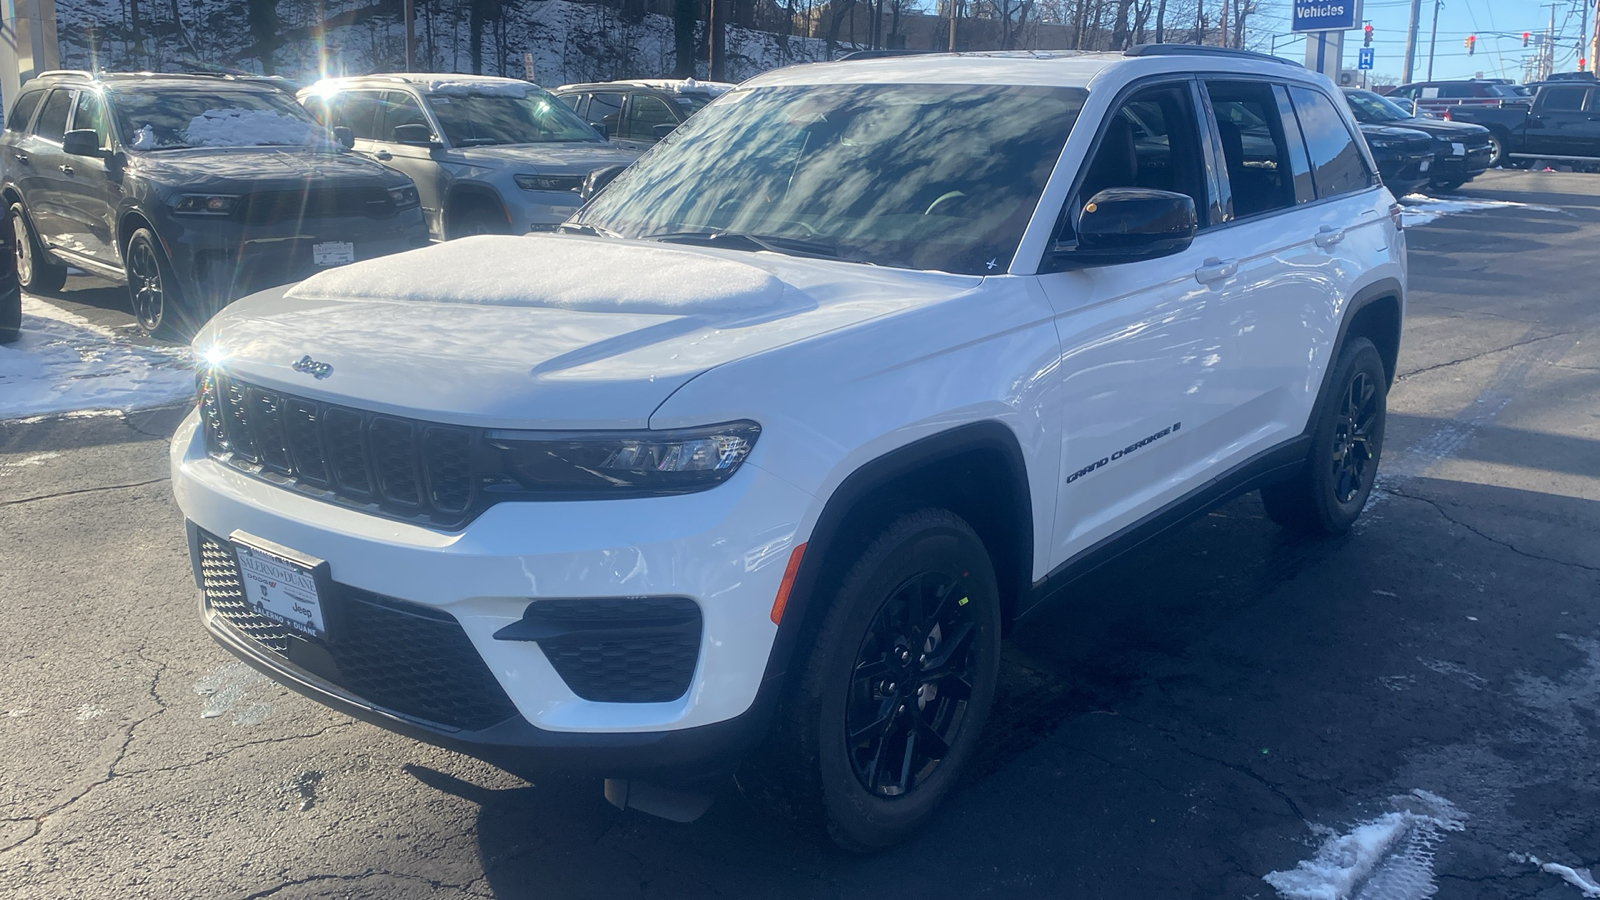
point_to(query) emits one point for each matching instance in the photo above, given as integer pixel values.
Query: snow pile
(1420, 209)
(689, 86)
(1582, 879)
(63, 364)
(590, 274)
(1386, 858)
(146, 139)
(249, 128)
(484, 88)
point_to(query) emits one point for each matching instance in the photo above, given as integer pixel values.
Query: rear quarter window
(22, 112)
(1563, 99)
(1337, 166)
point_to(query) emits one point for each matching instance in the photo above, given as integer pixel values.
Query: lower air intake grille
(395, 655)
(622, 650)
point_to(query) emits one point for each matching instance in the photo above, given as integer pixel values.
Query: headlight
(549, 182)
(598, 465)
(404, 197)
(1379, 145)
(205, 204)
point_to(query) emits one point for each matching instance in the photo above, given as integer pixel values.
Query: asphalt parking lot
(1205, 712)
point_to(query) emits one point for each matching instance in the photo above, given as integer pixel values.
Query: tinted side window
(357, 111)
(1336, 161)
(1409, 93)
(53, 121)
(1254, 147)
(91, 115)
(23, 111)
(400, 108)
(571, 100)
(1455, 91)
(1563, 99)
(645, 113)
(1151, 141)
(606, 109)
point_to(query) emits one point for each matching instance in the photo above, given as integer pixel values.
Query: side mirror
(345, 137)
(1123, 225)
(602, 128)
(415, 133)
(664, 129)
(599, 178)
(81, 142)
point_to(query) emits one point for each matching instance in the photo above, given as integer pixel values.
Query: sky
(1497, 23)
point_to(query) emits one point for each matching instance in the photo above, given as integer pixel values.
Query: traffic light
(1525, 36)
(1368, 33)
(1471, 43)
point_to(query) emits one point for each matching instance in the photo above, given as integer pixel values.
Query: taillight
(1397, 216)
(1446, 115)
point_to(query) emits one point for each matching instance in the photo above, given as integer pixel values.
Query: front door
(91, 187)
(1140, 342)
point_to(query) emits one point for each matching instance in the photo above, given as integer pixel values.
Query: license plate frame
(1425, 164)
(285, 585)
(333, 253)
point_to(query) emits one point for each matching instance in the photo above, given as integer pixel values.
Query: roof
(168, 79)
(423, 79)
(670, 85)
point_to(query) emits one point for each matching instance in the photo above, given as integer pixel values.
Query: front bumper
(1449, 167)
(725, 549)
(1405, 172)
(541, 210)
(222, 260)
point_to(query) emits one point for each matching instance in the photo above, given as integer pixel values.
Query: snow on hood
(562, 272)
(245, 128)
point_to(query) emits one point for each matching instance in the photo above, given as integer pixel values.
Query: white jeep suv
(756, 463)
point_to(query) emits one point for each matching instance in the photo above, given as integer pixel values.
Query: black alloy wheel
(910, 684)
(153, 290)
(1354, 450)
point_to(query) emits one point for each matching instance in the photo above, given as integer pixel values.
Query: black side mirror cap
(82, 142)
(598, 179)
(344, 136)
(416, 134)
(603, 130)
(1123, 225)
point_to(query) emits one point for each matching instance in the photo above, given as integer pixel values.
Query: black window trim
(1211, 123)
(71, 90)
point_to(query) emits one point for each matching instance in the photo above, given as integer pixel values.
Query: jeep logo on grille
(317, 370)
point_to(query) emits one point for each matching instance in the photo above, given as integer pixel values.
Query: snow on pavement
(62, 363)
(1386, 858)
(1420, 209)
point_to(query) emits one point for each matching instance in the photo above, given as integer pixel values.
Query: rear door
(605, 112)
(39, 175)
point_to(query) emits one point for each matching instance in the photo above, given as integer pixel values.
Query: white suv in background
(756, 463)
(488, 155)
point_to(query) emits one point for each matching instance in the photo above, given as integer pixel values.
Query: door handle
(1215, 270)
(1327, 236)
(21, 158)
(65, 169)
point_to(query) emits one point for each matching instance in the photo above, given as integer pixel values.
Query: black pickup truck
(1562, 124)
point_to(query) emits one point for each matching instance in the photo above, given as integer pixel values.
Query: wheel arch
(128, 222)
(467, 195)
(976, 471)
(1376, 313)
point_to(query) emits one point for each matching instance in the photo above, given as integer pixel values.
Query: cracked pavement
(1177, 729)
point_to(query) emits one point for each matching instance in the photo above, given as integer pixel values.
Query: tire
(478, 218)
(859, 674)
(37, 272)
(10, 310)
(153, 292)
(1327, 495)
(1497, 149)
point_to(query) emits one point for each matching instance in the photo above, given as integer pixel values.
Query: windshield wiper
(774, 243)
(586, 228)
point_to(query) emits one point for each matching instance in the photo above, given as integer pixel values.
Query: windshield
(476, 118)
(1372, 108)
(922, 176)
(155, 119)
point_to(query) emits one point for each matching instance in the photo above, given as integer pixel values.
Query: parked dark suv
(1461, 152)
(636, 114)
(192, 190)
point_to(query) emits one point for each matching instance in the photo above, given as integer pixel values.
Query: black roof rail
(883, 54)
(1200, 50)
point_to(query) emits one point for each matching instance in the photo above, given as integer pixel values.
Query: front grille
(272, 207)
(622, 650)
(396, 655)
(399, 467)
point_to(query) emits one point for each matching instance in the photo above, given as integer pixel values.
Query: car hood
(1450, 131)
(576, 157)
(544, 331)
(202, 169)
(1395, 135)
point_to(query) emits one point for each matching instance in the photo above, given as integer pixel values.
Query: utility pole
(1547, 63)
(952, 25)
(1583, 32)
(1411, 41)
(1433, 36)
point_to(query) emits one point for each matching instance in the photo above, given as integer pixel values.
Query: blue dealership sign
(1326, 15)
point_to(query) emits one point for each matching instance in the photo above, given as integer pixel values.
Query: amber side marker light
(789, 571)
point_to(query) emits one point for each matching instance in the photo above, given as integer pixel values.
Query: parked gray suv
(489, 155)
(192, 190)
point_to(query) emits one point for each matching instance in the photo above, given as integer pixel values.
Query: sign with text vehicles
(1326, 15)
